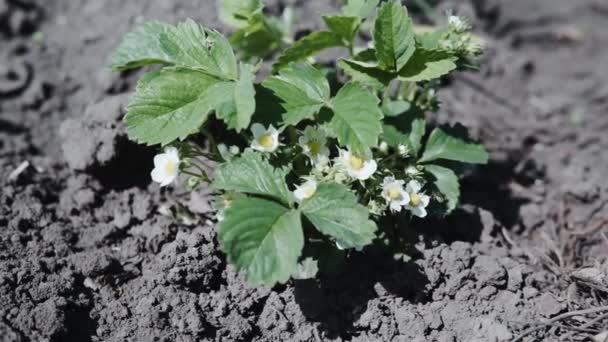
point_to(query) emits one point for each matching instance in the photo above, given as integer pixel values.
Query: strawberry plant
(308, 154)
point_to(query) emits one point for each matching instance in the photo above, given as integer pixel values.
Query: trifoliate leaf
(262, 238)
(345, 26)
(426, 65)
(393, 36)
(244, 98)
(308, 46)
(237, 13)
(360, 8)
(186, 45)
(252, 174)
(447, 183)
(169, 104)
(334, 211)
(357, 118)
(366, 73)
(303, 90)
(442, 145)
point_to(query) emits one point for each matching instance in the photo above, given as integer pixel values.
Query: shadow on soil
(338, 300)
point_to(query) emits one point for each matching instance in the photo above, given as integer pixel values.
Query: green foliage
(442, 145)
(169, 104)
(303, 91)
(393, 36)
(426, 65)
(262, 238)
(335, 211)
(360, 8)
(344, 26)
(307, 155)
(447, 183)
(251, 174)
(356, 120)
(186, 45)
(307, 47)
(366, 73)
(237, 13)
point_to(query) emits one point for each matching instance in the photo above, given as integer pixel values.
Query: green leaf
(366, 73)
(252, 174)
(407, 128)
(394, 37)
(392, 108)
(244, 98)
(262, 238)
(426, 65)
(415, 133)
(393, 137)
(186, 45)
(441, 145)
(237, 13)
(345, 26)
(259, 39)
(360, 8)
(431, 40)
(447, 183)
(168, 104)
(334, 211)
(303, 90)
(357, 118)
(307, 47)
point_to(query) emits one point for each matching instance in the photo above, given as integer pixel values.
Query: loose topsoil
(90, 250)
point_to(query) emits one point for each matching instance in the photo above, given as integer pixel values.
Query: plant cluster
(315, 156)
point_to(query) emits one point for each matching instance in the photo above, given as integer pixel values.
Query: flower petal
(257, 129)
(418, 211)
(424, 199)
(413, 186)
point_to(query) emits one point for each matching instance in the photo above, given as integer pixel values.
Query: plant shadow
(337, 301)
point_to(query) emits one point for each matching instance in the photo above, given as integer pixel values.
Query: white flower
(264, 140)
(411, 171)
(234, 149)
(402, 150)
(393, 193)
(356, 166)
(418, 200)
(383, 147)
(166, 166)
(458, 24)
(305, 190)
(313, 144)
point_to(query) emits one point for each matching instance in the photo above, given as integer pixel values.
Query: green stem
(202, 176)
(212, 144)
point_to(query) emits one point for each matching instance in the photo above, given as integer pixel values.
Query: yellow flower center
(309, 191)
(414, 200)
(356, 163)
(393, 193)
(266, 140)
(314, 147)
(170, 167)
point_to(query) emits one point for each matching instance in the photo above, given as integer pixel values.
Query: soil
(91, 251)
